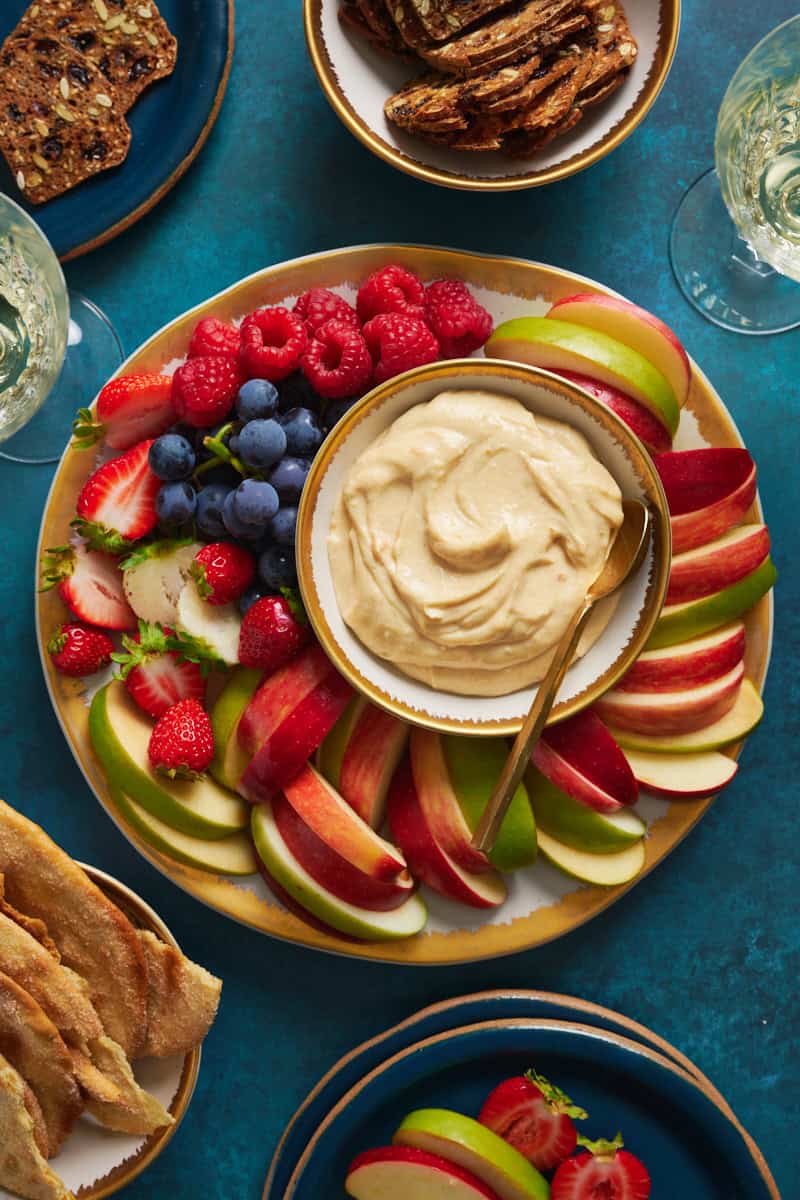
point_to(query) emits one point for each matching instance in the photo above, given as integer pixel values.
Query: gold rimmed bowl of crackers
(491, 95)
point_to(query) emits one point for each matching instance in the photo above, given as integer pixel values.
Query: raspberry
(392, 289)
(204, 389)
(321, 305)
(337, 362)
(456, 318)
(212, 336)
(273, 341)
(398, 342)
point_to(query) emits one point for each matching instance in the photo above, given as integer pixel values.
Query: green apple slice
(474, 766)
(232, 855)
(735, 725)
(402, 922)
(215, 626)
(560, 345)
(680, 622)
(608, 870)
(476, 1148)
(331, 753)
(230, 760)
(120, 734)
(576, 824)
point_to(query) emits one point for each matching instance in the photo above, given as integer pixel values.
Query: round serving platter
(543, 903)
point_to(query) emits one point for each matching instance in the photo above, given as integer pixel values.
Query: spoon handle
(489, 825)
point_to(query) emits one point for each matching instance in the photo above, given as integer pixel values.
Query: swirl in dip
(465, 538)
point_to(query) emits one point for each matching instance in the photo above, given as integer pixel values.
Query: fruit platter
(218, 735)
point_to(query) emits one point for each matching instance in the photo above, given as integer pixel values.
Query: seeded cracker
(527, 28)
(60, 119)
(442, 18)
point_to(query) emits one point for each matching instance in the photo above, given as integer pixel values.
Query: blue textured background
(707, 950)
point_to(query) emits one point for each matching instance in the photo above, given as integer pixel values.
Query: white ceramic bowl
(617, 448)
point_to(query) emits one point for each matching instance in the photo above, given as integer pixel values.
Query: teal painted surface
(706, 951)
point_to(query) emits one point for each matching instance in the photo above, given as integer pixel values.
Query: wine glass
(742, 277)
(55, 346)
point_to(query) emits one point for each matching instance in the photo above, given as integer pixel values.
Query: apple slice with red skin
(672, 712)
(708, 492)
(635, 327)
(291, 743)
(443, 813)
(717, 565)
(682, 776)
(688, 664)
(279, 695)
(733, 727)
(646, 427)
(373, 751)
(340, 828)
(426, 859)
(406, 1173)
(332, 869)
(679, 622)
(580, 756)
(297, 910)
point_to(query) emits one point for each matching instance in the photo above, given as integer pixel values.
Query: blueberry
(234, 526)
(175, 503)
(261, 443)
(282, 526)
(296, 392)
(276, 568)
(303, 433)
(257, 398)
(210, 500)
(288, 478)
(335, 411)
(254, 502)
(248, 598)
(233, 443)
(171, 457)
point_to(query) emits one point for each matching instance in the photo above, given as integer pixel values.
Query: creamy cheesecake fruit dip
(465, 538)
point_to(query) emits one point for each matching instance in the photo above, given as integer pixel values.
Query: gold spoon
(627, 552)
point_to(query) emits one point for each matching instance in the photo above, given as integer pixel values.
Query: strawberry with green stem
(90, 584)
(602, 1171)
(182, 742)
(78, 650)
(128, 409)
(535, 1117)
(117, 504)
(155, 673)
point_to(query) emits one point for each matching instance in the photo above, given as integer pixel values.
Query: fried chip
(182, 1000)
(23, 1168)
(135, 1110)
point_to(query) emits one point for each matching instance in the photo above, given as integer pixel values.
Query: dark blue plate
(169, 122)
(689, 1144)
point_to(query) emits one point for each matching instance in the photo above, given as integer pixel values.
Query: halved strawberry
(604, 1171)
(128, 409)
(156, 675)
(535, 1117)
(90, 584)
(117, 504)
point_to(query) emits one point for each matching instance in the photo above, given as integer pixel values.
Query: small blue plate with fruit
(529, 1110)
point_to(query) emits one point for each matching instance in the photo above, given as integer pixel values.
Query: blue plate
(169, 122)
(690, 1145)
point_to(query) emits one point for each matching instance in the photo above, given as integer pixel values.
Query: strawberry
(535, 1117)
(156, 675)
(204, 389)
(128, 409)
(89, 583)
(272, 632)
(604, 1171)
(182, 743)
(78, 650)
(222, 571)
(117, 504)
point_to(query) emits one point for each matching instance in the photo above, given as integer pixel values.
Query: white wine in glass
(744, 276)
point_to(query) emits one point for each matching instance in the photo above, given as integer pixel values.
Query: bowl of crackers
(491, 95)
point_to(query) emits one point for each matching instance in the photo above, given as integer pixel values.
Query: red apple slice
(679, 622)
(406, 1173)
(672, 712)
(733, 727)
(373, 751)
(279, 695)
(688, 664)
(716, 565)
(426, 859)
(580, 756)
(637, 328)
(649, 430)
(290, 744)
(439, 802)
(335, 871)
(682, 776)
(708, 492)
(295, 908)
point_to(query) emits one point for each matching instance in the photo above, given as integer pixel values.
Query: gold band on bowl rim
(669, 29)
(496, 370)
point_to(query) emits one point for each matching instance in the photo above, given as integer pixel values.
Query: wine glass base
(93, 354)
(718, 273)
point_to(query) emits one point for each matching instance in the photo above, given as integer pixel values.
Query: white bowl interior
(425, 701)
(367, 78)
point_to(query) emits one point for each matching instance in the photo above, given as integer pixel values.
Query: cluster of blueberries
(243, 479)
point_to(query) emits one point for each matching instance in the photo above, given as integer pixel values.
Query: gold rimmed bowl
(544, 394)
(357, 80)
